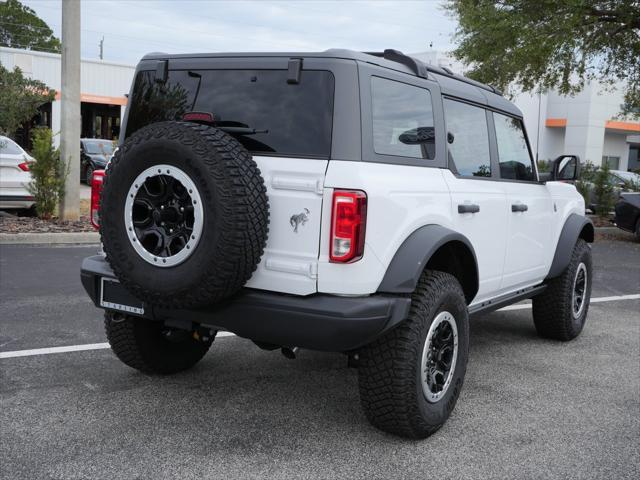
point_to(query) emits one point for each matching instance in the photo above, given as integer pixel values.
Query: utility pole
(101, 47)
(70, 108)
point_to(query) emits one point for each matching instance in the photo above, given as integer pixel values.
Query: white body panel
(290, 260)
(486, 229)
(529, 234)
(513, 249)
(400, 199)
(13, 180)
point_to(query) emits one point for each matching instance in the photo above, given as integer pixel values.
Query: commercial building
(587, 124)
(103, 88)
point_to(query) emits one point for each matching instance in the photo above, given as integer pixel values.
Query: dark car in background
(94, 155)
(628, 213)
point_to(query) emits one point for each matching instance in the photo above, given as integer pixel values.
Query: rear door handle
(519, 207)
(468, 208)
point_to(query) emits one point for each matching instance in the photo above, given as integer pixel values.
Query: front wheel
(411, 377)
(151, 347)
(560, 312)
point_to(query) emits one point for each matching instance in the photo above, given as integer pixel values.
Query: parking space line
(71, 348)
(100, 346)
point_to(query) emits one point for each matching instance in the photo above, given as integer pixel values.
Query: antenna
(101, 47)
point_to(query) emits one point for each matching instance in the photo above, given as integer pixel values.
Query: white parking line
(99, 346)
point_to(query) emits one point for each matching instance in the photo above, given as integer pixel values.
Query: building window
(613, 162)
(468, 139)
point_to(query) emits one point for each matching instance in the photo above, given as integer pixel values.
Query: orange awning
(88, 98)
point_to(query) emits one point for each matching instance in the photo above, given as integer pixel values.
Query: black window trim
(451, 164)
(536, 179)
(366, 72)
(493, 144)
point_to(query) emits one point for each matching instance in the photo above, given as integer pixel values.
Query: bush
(544, 166)
(603, 190)
(584, 184)
(48, 174)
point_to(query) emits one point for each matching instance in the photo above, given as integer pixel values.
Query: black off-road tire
(149, 347)
(88, 174)
(553, 312)
(235, 214)
(389, 369)
(637, 231)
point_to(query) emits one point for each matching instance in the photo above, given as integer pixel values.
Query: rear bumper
(16, 200)
(317, 322)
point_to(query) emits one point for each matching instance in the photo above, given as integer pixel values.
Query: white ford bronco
(362, 203)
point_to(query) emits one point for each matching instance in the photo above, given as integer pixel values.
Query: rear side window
(9, 147)
(402, 119)
(468, 139)
(513, 153)
(288, 119)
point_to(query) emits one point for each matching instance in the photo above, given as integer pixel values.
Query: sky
(134, 28)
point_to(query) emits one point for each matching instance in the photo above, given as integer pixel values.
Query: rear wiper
(241, 130)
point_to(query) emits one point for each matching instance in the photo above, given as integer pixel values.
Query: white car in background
(14, 176)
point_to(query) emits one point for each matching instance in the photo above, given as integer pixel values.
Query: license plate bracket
(115, 297)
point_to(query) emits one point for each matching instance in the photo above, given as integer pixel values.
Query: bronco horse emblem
(299, 219)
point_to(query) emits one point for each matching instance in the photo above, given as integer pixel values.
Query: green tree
(48, 174)
(20, 27)
(543, 44)
(20, 98)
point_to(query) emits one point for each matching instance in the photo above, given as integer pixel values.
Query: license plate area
(115, 297)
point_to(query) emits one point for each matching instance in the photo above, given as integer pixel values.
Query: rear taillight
(348, 222)
(24, 166)
(96, 188)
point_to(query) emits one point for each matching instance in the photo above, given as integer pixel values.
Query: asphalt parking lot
(530, 408)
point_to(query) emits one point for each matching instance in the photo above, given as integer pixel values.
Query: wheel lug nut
(161, 207)
(171, 230)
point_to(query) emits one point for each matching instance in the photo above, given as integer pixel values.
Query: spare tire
(184, 214)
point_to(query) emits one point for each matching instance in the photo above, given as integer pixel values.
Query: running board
(511, 298)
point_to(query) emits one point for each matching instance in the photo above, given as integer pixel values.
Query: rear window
(290, 119)
(9, 147)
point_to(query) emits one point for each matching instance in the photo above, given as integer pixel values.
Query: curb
(78, 238)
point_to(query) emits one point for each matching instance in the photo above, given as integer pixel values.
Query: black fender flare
(573, 229)
(412, 256)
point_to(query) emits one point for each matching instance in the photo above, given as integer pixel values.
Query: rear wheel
(560, 312)
(151, 347)
(410, 378)
(88, 174)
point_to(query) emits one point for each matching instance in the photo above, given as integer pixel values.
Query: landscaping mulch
(11, 223)
(36, 225)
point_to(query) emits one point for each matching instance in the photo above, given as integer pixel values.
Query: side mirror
(565, 168)
(418, 136)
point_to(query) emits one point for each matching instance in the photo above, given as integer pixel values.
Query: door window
(468, 138)
(402, 119)
(513, 153)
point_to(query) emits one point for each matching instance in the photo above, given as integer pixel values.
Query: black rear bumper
(317, 322)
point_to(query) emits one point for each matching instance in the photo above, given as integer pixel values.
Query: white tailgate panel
(290, 261)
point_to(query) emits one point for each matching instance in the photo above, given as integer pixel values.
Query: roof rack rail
(419, 68)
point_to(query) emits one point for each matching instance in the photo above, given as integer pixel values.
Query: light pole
(70, 108)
